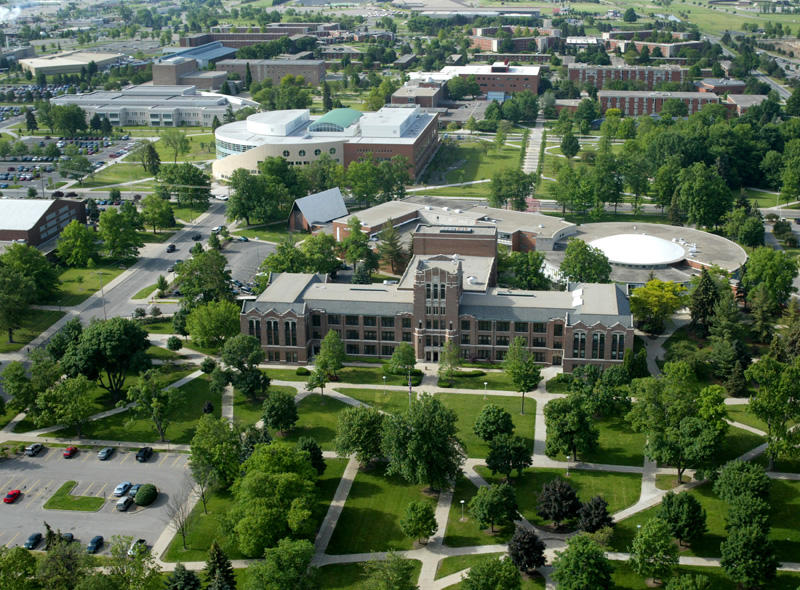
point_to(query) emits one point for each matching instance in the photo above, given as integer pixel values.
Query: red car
(70, 451)
(11, 497)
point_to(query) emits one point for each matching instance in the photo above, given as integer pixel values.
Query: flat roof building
(156, 106)
(312, 70)
(205, 54)
(425, 95)
(495, 80)
(647, 76)
(633, 103)
(69, 62)
(740, 103)
(35, 221)
(720, 86)
(184, 71)
(346, 135)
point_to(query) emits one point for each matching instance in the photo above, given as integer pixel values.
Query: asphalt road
(39, 477)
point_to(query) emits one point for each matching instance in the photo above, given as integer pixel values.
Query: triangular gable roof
(322, 207)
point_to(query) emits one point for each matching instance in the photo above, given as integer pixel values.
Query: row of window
(502, 326)
(598, 345)
(486, 340)
(302, 153)
(334, 319)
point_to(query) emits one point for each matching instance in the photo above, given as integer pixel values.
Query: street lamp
(102, 293)
(485, 383)
(568, 465)
(384, 385)
(462, 510)
(409, 388)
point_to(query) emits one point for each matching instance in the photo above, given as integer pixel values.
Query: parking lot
(39, 477)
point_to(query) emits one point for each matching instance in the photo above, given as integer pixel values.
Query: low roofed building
(36, 221)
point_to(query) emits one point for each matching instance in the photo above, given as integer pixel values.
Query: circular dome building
(640, 250)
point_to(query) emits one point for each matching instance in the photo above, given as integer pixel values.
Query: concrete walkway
(531, 161)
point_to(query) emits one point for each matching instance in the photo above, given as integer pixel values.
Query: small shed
(317, 208)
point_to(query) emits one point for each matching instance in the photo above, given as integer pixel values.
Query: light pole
(485, 383)
(462, 510)
(102, 293)
(568, 465)
(409, 388)
(384, 385)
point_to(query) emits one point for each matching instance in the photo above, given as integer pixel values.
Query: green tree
(702, 300)
(248, 190)
(311, 446)
(68, 402)
(593, 515)
(331, 355)
(358, 432)
(491, 573)
(569, 145)
(322, 174)
(748, 557)
(584, 264)
(629, 16)
(175, 141)
(688, 582)
(494, 504)
(570, 427)
(520, 365)
(77, 244)
(583, 564)
(280, 411)
(76, 167)
(684, 516)
(319, 251)
(63, 566)
(107, 352)
(403, 360)
(656, 301)
(327, 101)
(665, 182)
(390, 249)
(215, 451)
(491, 421)
(526, 550)
(653, 554)
(244, 353)
(703, 195)
(203, 279)
(150, 400)
(528, 270)
(419, 520)
(286, 258)
(507, 453)
(211, 324)
(31, 263)
(393, 573)
(510, 186)
(68, 119)
(285, 566)
(30, 120)
(119, 238)
(773, 268)
(190, 185)
(15, 299)
(132, 572)
(17, 569)
(740, 478)
(183, 579)
(449, 361)
(422, 445)
(356, 245)
(363, 181)
(157, 212)
(218, 565)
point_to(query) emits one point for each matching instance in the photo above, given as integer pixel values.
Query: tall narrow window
(617, 346)
(290, 333)
(598, 345)
(272, 332)
(254, 328)
(579, 345)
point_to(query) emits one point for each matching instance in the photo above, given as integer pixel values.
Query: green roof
(342, 118)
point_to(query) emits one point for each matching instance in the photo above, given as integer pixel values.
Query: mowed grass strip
(247, 411)
(319, 415)
(371, 517)
(350, 576)
(77, 284)
(618, 489)
(618, 444)
(36, 322)
(390, 401)
(456, 563)
(467, 532)
(63, 500)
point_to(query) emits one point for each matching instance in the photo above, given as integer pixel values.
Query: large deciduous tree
(32, 264)
(150, 399)
(491, 421)
(584, 264)
(684, 515)
(520, 365)
(77, 244)
(558, 501)
(773, 268)
(419, 520)
(748, 557)
(526, 549)
(120, 239)
(284, 567)
(68, 402)
(213, 323)
(494, 504)
(215, 451)
(656, 301)
(157, 212)
(393, 573)
(359, 432)
(653, 554)
(492, 573)
(280, 411)
(570, 427)
(583, 564)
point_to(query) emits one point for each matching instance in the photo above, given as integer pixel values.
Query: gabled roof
(322, 207)
(22, 214)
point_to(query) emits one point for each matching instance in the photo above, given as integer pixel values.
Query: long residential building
(156, 106)
(345, 135)
(633, 103)
(444, 297)
(312, 70)
(649, 76)
(498, 80)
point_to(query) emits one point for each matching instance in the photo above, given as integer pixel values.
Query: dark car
(124, 503)
(242, 239)
(34, 449)
(143, 454)
(171, 248)
(95, 544)
(105, 453)
(197, 237)
(33, 541)
(134, 490)
(67, 537)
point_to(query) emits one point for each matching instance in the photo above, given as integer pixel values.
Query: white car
(122, 488)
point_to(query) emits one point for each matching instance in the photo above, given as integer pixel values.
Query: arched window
(579, 345)
(301, 153)
(332, 151)
(598, 345)
(617, 346)
(285, 153)
(317, 152)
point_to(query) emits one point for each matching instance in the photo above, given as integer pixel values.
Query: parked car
(197, 237)
(122, 488)
(34, 449)
(143, 454)
(12, 496)
(67, 537)
(136, 546)
(124, 503)
(242, 239)
(33, 541)
(95, 544)
(105, 453)
(134, 489)
(171, 248)
(70, 452)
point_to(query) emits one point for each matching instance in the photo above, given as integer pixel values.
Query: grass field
(159, 327)
(77, 284)
(620, 490)
(188, 213)
(145, 293)
(463, 533)
(247, 411)
(451, 565)
(36, 321)
(318, 417)
(350, 576)
(271, 232)
(355, 375)
(480, 190)
(764, 199)
(618, 444)
(371, 517)
(201, 147)
(392, 402)
(64, 500)
(115, 174)
(625, 579)
(493, 380)
(741, 413)
(736, 443)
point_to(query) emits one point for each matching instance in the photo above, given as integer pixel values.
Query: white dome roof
(639, 250)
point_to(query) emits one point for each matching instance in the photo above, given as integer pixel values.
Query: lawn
(145, 293)
(618, 444)
(493, 379)
(271, 232)
(620, 490)
(201, 147)
(163, 354)
(77, 284)
(392, 401)
(479, 190)
(467, 407)
(741, 413)
(764, 199)
(350, 576)
(189, 213)
(247, 411)
(7, 417)
(159, 326)
(536, 583)
(785, 522)
(371, 517)
(736, 443)
(63, 500)
(356, 375)
(451, 565)
(115, 174)
(159, 237)
(467, 532)
(318, 417)
(36, 321)
(183, 418)
(204, 528)
(470, 162)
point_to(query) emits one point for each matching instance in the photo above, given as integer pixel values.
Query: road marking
(12, 539)
(163, 458)
(85, 455)
(86, 491)
(125, 458)
(21, 484)
(100, 491)
(7, 483)
(30, 489)
(178, 458)
(41, 490)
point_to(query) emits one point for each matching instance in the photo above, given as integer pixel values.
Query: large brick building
(312, 70)
(648, 76)
(36, 221)
(243, 36)
(633, 103)
(497, 80)
(441, 297)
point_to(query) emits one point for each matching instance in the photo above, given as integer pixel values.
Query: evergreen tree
(526, 550)
(308, 444)
(702, 301)
(248, 77)
(215, 123)
(594, 515)
(183, 579)
(218, 566)
(327, 101)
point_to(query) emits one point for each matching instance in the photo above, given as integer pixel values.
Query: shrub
(174, 343)
(302, 371)
(146, 495)
(208, 365)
